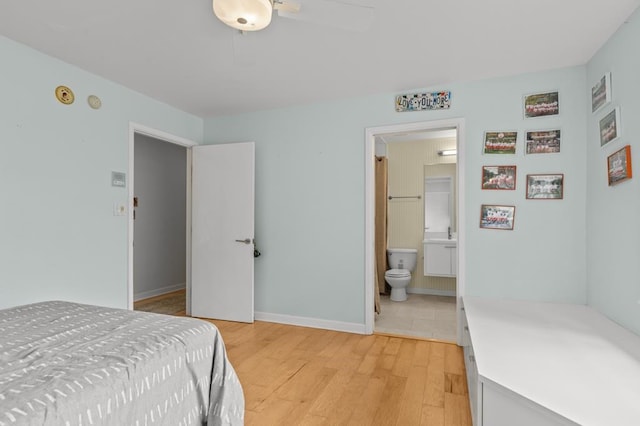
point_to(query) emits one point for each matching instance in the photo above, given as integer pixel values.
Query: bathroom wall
(409, 163)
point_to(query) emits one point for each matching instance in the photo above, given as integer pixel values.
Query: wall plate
(94, 102)
(64, 95)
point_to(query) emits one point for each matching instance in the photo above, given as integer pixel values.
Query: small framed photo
(545, 187)
(601, 93)
(500, 142)
(499, 177)
(619, 166)
(497, 217)
(541, 104)
(542, 141)
(610, 127)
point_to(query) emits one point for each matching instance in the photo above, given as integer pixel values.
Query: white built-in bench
(538, 364)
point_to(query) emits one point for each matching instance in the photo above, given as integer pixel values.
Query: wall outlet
(119, 209)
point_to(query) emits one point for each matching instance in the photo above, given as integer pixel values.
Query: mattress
(65, 363)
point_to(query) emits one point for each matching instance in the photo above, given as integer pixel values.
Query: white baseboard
(347, 327)
(431, 291)
(158, 291)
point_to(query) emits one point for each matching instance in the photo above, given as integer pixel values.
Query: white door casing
(222, 237)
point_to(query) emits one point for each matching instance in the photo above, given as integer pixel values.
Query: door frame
(369, 220)
(135, 128)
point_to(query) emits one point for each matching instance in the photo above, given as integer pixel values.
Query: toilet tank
(400, 258)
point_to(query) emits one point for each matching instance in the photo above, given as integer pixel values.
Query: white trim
(347, 327)
(135, 128)
(430, 291)
(159, 291)
(369, 249)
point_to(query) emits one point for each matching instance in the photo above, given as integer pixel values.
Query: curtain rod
(407, 196)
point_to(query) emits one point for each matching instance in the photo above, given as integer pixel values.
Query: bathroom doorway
(414, 156)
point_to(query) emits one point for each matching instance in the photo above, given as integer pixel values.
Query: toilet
(402, 262)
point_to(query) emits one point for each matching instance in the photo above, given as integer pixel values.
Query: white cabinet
(440, 258)
(548, 364)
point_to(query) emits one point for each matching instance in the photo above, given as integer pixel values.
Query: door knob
(246, 241)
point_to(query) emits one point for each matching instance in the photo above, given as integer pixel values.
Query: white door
(222, 231)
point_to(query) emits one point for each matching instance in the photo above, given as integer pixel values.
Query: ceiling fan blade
(350, 15)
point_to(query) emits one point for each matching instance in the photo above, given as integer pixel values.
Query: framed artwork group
(619, 167)
(503, 143)
(549, 186)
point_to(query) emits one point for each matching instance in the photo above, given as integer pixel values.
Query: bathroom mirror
(438, 204)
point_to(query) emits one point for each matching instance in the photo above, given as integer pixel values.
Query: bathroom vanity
(548, 364)
(440, 257)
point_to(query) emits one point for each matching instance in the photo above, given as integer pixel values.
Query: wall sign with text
(423, 101)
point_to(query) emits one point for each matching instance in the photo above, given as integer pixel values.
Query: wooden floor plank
(295, 376)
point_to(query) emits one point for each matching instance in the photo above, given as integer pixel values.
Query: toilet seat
(398, 273)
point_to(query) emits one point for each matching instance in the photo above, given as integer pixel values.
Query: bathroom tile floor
(426, 316)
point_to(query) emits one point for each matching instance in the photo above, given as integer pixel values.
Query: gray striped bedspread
(65, 363)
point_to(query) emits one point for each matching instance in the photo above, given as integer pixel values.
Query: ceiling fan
(255, 15)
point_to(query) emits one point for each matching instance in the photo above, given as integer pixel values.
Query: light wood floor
(303, 376)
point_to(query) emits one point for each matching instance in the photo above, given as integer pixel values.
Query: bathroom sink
(441, 240)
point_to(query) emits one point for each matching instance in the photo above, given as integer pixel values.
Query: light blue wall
(310, 196)
(59, 238)
(613, 213)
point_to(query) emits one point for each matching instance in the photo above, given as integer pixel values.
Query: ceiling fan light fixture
(244, 15)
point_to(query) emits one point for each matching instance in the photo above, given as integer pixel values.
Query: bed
(65, 363)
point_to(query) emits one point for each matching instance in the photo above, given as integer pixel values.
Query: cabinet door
(437, 259)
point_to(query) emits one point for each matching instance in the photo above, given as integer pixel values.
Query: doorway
(408, 131)
(158, 281)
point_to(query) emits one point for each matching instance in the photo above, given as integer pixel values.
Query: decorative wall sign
(423, 101)
(497, 217)
(542, 141)
(601, 93)
(500, 142)
(541, 104)
(619, 166)
(610, 127)
(64, 95)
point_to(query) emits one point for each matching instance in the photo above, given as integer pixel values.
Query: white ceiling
(177, 52)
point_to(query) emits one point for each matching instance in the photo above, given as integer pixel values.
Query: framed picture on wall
(497, 217)
(542, 141)
(619, 166)
(541, 104)
(610, 127)
(601, 93)
(499, 177)
(500, 142)
(545, 187)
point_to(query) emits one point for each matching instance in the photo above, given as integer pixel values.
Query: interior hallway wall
(160, 222)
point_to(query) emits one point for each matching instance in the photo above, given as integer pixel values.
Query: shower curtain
(381, 227)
